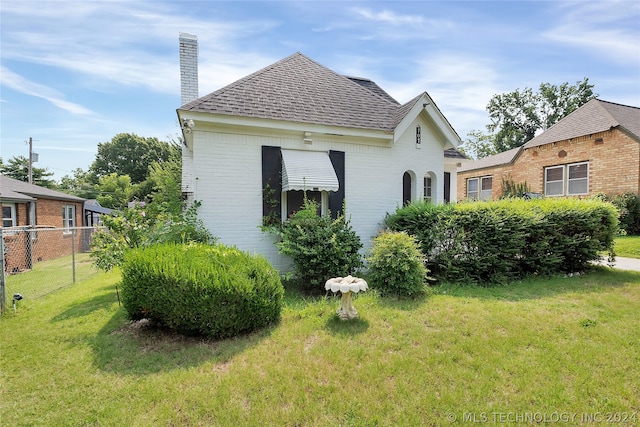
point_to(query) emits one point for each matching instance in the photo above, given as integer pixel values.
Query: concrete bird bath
(346, 286)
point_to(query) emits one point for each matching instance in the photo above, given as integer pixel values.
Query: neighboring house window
(472, 188)
(554, 181)
(68, 216)
(486, 192)
(418, 135)
(427, 188)
(570, 180)
(8, 215)
(578, 178)
(480, 188)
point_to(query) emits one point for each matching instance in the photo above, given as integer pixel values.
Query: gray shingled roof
(373, 87)
(499, 159)
(452, 153)
(299, 89)
(13, 189)
(593, 117)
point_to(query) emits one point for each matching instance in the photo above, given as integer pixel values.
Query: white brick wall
(227, 177)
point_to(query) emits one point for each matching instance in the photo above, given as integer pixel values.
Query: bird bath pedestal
(346, 286)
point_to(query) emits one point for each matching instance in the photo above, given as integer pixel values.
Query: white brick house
(251, 146)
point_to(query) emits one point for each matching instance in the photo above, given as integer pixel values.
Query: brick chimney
(188, 68)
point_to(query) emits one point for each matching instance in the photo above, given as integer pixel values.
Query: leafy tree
(129, 154)
(115, 191)
(478, 145)
(164, 184)
(139, 226)
(79, 184)
(166, 179)
(18, 168)
(517, 116)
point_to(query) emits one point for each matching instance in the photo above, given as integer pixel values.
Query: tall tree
(18, 168)
(115, 191)
(129, 154)
(478, 145)
(79, 184)
(517, 116)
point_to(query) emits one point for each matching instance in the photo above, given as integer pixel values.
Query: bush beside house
(396, 265)
(319, 246)
(198, 289)
(494, 242)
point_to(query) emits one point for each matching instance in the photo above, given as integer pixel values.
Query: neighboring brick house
(39, 210)
(595, 149)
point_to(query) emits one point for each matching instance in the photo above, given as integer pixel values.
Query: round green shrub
(200, 289)
(319, 246)
(396, 265)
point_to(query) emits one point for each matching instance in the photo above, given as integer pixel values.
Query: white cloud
(389, 17)
(126, 43)
(18, 83)
(596, 27)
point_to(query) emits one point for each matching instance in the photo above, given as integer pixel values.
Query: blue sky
(74, 74)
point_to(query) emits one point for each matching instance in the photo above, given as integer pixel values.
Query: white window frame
(566, 180)
(488, 193)
(12, 218)
(574, 180)
(473, 195)
(68, 217)
(428, 188)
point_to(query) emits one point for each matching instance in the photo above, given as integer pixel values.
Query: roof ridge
(361, 87)
(617, 103)
(606, 112)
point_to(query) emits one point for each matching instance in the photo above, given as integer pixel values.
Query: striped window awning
(308, 170)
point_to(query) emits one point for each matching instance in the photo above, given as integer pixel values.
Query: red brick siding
(41, 244)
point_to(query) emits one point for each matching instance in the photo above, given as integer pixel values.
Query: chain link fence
(39, 260)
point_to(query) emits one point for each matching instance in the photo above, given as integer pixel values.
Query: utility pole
(30, 160)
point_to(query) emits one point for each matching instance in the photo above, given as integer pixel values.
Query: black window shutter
(447, 187)
(271, 184)
(336, 198)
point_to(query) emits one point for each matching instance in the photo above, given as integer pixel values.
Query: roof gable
(423, 104)
(299, 89)
(593, 117)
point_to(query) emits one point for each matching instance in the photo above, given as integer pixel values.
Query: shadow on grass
(140, 348)
(597, 279)
(86, 308)
(348, 328)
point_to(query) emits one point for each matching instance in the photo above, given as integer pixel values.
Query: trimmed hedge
(199, 289)
(493, 242)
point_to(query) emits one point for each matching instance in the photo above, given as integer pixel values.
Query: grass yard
(560, 347)
(49, 276)
(628, 246)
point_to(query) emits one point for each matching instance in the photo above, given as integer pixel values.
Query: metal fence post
(73, 254)
(3, 290)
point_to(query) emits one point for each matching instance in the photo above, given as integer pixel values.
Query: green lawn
(628, 246)
(544, 347)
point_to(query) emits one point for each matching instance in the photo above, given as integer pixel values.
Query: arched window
(406, 188)
(428, 193)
